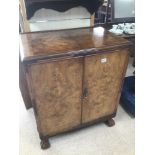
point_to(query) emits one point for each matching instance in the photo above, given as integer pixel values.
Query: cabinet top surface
(45, 44)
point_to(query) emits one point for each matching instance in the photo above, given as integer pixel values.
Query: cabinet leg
(110, 122)
(45, 144)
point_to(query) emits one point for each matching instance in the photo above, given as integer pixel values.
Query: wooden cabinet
(74, 77)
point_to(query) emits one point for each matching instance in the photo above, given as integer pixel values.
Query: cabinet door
(57, 89)
(103, 78)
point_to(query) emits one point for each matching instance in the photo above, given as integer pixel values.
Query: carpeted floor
(95, 140)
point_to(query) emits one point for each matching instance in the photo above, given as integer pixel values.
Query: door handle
(85, 93)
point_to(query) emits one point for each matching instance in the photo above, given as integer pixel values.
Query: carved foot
(45, 144)
(110, 122)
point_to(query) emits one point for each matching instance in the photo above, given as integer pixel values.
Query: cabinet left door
(57, 88)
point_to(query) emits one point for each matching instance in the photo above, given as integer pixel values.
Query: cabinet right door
(103, 76)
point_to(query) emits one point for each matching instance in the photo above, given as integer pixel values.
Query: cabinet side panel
(103, 78)
(57, 89)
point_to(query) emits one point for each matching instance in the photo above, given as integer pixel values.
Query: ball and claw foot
(45, 144)
(110, 122)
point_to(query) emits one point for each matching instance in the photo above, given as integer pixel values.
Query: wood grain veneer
(102, 81)
(45, 44)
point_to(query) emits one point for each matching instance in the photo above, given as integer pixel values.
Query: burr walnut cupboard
(71, 78)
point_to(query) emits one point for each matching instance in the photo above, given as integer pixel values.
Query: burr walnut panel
(41, 44)
(103, 77)
(57, 88)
